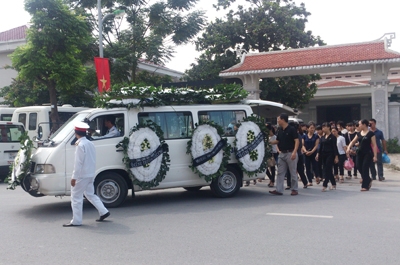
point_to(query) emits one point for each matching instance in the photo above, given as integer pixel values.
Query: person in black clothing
(310, 145)
(349, 136)
(288, 143)
(328, 154)
(365, 154)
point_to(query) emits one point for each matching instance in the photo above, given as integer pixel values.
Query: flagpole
(100, 21)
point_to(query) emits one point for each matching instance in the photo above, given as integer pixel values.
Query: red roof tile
(324, 55)
(336, 83)
(18, 33)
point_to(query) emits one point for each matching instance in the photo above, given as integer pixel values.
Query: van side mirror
(40, 132)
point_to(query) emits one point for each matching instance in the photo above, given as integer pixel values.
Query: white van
(36, 119)
(6, 113)
(9, 144)
(52, 164)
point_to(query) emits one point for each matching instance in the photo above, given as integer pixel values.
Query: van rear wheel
(111, 189)
(228, 184)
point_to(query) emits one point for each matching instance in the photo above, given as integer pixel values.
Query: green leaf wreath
(146, 145)
(158, 96)
(207, 144)
(254, 154)
(26, 148)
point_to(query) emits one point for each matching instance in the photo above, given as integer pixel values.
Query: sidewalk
(394, 162)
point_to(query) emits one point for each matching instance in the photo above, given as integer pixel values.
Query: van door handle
(119, 150)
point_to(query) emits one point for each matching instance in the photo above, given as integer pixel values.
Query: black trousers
(271, 170)
(327, 167)
(363, 162)
(311, 163)
(339, 167)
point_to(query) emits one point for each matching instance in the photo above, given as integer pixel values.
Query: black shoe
(69, 225)
(104, 216)
(287, 188)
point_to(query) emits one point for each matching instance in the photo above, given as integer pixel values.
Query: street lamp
(117, 13)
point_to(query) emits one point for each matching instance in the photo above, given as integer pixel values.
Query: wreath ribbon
(204, 158)
(250, 147)
(142, 161)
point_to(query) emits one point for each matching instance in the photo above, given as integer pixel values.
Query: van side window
(175, 125)
(6, 117)
(107, 126)
(32, 121)
(22, 118)
(225, 118)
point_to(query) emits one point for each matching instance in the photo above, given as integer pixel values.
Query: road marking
(301, 215)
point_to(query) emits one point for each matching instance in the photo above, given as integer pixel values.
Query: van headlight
(45, 169)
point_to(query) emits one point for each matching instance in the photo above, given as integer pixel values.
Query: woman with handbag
(274, 158)
(366, 153)
(349, 136)
(310, 145)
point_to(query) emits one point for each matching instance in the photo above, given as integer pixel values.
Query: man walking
(287, 140)
(381, 143)
(83, 177)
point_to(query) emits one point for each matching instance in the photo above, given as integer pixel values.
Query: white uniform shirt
(85, 159)
(113, 132)
(341, 143)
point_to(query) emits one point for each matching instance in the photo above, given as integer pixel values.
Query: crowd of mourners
(323, 153)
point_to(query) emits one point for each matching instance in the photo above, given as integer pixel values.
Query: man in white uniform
(83, 178)
(109, 122)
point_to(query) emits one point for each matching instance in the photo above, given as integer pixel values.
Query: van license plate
(12, 155)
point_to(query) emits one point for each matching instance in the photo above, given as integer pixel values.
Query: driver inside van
(109, 122)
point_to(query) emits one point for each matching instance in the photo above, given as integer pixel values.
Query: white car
(9, 144)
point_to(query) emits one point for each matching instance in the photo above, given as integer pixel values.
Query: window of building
(175, 125)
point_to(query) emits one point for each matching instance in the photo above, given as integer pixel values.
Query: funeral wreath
(251, 146)
(210, 152)
(145, 155)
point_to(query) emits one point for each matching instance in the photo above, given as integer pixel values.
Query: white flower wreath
(18, 164)
(142, 143)
(246, 134)
(204, 139)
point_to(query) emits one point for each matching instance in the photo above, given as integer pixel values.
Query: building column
(394, 124)
(379, 97)
(251, 84)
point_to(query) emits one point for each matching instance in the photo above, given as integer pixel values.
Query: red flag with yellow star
(103, 73)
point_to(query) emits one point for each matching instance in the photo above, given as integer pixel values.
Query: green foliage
(53, 54)
(263, 26)
(393, 146)
(22, 93)
(154, 29)
(159, 96)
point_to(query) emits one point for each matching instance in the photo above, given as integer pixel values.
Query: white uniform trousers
(84, 187)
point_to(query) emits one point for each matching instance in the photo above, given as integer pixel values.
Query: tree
(152, 32)
(53, 54)
(264, 25)
(20, 94)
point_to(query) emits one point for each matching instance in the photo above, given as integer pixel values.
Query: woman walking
(365, 154)
(310, 145)
(275, 154)
(341, 145)
(328, 155)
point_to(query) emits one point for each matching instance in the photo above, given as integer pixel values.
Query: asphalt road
(345, 226)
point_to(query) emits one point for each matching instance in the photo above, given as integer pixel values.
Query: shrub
(393, 145)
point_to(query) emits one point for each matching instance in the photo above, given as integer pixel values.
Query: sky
(336, 22)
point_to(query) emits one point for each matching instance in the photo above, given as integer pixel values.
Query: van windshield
(67, 127)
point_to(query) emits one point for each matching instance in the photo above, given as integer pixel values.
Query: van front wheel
(111, 189)
(228, 184)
